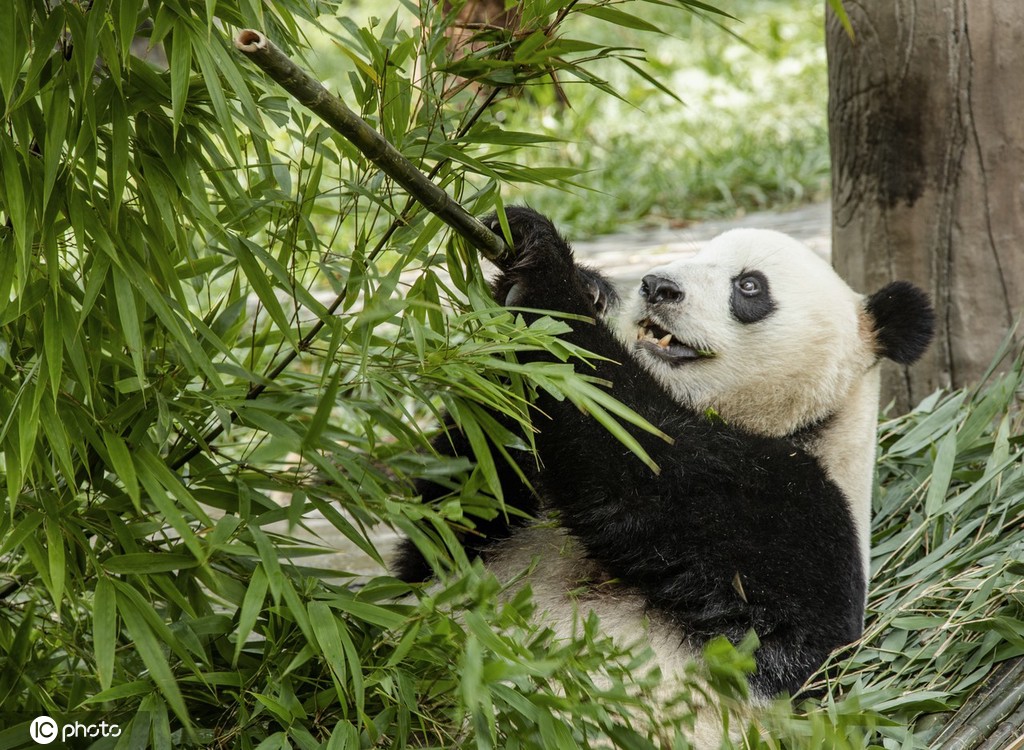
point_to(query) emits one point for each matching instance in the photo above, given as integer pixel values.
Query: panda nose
(657, 289)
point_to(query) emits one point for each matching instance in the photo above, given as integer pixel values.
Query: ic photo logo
(43, 730)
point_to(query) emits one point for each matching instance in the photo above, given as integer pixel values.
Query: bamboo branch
(256, 389)
(372, 144)
(993, 715)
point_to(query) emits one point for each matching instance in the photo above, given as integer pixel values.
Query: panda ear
(903, 321)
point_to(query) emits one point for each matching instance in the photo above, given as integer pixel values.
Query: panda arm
(410, 565)
(725, 507)
(545, 276)
(587, 473)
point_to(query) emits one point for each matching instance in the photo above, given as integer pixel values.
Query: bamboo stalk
(332, 110)
(996, 709)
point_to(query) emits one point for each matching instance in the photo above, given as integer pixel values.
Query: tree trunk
(926, 120)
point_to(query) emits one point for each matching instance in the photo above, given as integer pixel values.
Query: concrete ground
(626, 256)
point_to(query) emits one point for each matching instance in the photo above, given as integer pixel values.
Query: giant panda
(761, 366)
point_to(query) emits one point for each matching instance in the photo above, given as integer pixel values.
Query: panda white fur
(760, 364)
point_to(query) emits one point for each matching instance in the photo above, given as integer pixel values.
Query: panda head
(760, 329)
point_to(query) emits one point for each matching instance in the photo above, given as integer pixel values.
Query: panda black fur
(760, 364)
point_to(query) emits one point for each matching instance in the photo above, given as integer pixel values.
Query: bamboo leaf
(55, 559)
(344, 736)
(929, 429)
(56, 435)
(123, 465)
(127, 23)
(840, 10)
(706, 7)
(58, 111)
(466, 417)
(619, 17)
(12, 36)
(257, 278)
(360, 63)
(250, 610)
(218, 100)
(147, 645)
(104, 634)
(651, 80)
(342, 524)
(53, 346)
(120, 132)
(270, 564)
(181, 72)
(131, 327)
(160, 488)
(528, 47)
(26, 526)
(159, 722)
(14, 200)
(368, 612)
(145, 563)
(942, 472)
(325, 628)
(355, 669)
(122, 692)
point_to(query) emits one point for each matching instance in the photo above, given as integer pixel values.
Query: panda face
(756, 327)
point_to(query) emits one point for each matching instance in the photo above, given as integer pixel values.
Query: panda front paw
(541, 272)
(535, 241)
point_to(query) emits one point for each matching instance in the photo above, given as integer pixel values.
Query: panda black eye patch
(751, 299)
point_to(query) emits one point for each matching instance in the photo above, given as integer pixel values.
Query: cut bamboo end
(250, 40)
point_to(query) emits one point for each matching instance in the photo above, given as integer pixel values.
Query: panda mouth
(663, 344)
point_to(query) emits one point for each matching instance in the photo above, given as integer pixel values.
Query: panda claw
(515, 295)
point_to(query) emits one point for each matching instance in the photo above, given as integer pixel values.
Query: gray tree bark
(926, 121)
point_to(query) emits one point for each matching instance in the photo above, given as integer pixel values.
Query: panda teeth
(646, 334)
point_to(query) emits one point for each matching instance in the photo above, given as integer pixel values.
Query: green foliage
(743, 129)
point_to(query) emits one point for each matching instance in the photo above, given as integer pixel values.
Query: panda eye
(751, 297)
(749, 286)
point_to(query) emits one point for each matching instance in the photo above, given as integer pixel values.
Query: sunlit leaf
(840, 10)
